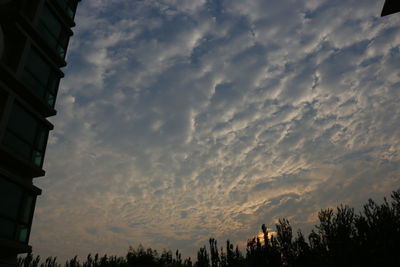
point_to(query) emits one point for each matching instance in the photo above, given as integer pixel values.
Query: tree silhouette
(215, 260)
(341, 238)
(203, 259)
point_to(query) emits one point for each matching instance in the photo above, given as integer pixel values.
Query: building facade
(34, 36)
(390, 7)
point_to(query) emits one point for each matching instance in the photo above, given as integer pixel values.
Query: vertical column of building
(34, 36)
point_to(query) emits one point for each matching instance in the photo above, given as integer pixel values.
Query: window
(69, 6)
(16, 209)
(26, 136)
(14, 42)
(3, 101)
(1, 42)
(52, 31)
(29, 8)
(40, 77)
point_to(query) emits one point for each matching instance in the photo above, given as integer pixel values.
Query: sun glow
(270, 234)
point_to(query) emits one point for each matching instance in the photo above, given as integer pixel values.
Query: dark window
(69, 6)
(7, 228)
(16, 209)
(10, 198)
(14, 43)
(26, 209)
(40, 77)
(3, 101)
(26, 136)
(52, 31)
(29, 8)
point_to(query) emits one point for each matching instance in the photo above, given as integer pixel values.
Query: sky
(181, 120)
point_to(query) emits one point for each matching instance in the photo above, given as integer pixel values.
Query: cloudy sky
(179, 120)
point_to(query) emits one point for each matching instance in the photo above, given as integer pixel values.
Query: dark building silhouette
(34, 36)
(390, 7)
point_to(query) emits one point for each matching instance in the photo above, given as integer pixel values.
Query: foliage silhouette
(342, 238)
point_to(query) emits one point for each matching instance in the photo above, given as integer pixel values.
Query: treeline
(342, 238)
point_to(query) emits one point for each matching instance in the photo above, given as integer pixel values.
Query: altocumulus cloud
(181, 120)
